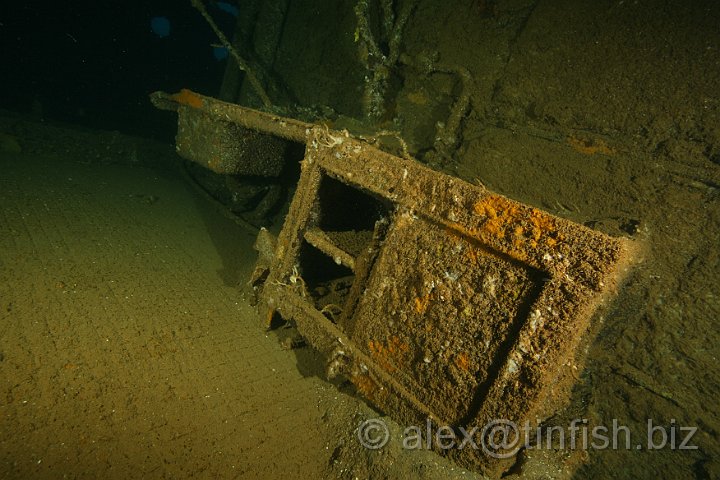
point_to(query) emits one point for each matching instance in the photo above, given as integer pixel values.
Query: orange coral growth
(421, 304)
(473, 255)
(365, 385)
(387, 355)
(462, 361)
(541, 224)
(499, 213)
(544, 227)
(520, 227)
(189, 98)
(398, 345)
(494, 206)
(394, 346)
(587, 147)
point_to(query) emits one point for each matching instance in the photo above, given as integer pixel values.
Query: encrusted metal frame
(451, 265)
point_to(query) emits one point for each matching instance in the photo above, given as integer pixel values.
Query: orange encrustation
(365, 385)
(388, 355)
(189, 98)
(519, 227)
(421, 304)
(462, 361)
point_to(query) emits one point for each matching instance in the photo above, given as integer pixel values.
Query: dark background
(94, 63)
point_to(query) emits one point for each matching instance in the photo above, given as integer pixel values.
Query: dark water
(94, 63)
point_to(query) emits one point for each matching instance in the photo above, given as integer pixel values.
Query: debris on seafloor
(441, 301)
(242, 155)
(223, 146)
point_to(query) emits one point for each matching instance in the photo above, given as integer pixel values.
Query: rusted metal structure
(438, 299)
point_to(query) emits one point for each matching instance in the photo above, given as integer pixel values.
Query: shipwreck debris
(441, 301)
(463, 306)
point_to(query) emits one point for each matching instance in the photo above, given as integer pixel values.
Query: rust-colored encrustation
(457, 305)
(442, 301)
